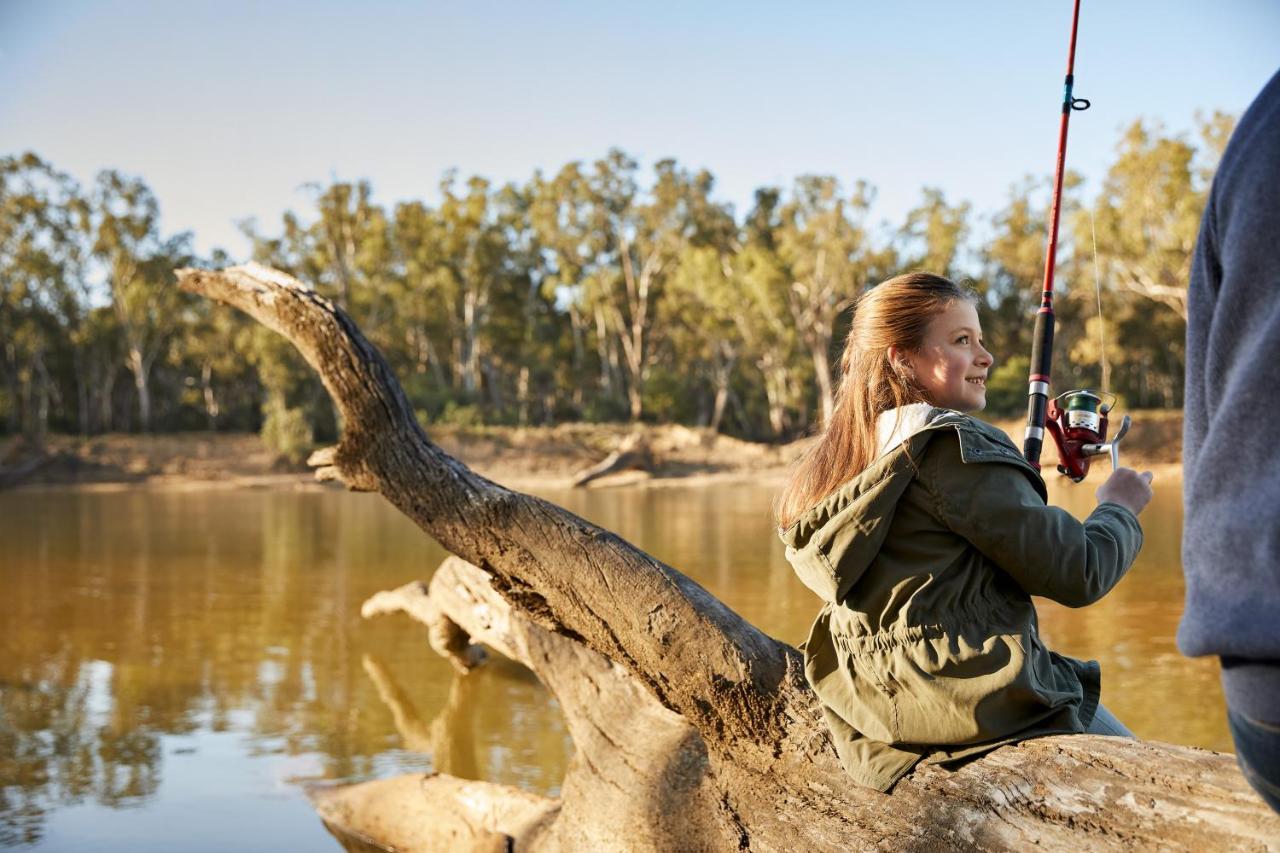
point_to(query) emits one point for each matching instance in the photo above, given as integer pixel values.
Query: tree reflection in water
(57, 746)
(135, 617)
(137, 623)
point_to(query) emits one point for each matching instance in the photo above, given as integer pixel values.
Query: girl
(926, 533)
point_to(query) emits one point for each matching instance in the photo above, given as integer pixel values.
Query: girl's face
(951, 364)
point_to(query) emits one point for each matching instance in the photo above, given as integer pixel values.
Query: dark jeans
(1258, 752)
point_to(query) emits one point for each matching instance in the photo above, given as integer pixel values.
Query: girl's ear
(899, 363)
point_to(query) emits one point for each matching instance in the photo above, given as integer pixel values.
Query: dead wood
(760, 771)
(632, 453)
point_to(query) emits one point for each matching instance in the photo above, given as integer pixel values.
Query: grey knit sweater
(1231, 440)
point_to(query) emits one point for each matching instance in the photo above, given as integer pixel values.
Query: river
(177, 667)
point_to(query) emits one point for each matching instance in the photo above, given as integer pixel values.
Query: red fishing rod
(1077, 420)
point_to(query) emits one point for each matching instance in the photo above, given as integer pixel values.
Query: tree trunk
(522, 396)
(139, 368)
(724, 360)
(578, 326)
(15, 392)
(821, 354)
(732, 751)
(211, 408)
(41, 427)
(82, 391)
(470, 359)
(106, 410)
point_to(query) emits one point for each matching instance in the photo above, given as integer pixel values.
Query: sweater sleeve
(1231, 473)
(1045, 549)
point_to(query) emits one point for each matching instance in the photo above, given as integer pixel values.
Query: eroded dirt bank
(543, 457)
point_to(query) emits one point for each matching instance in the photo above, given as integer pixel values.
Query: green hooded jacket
(928, 646)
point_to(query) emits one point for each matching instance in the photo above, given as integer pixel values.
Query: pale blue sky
(227, 108)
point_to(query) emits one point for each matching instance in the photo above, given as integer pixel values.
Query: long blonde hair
(895, 313)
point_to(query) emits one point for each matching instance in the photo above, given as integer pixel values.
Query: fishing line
(1102, 323)
(1076, 420)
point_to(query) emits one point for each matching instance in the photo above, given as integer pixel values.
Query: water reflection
(172, 666)
(61, 733)
(134, 619)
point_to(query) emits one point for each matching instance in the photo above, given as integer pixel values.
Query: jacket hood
(832, 545)
(845, 530)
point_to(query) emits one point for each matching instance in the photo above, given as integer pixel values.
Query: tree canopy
(601, 292)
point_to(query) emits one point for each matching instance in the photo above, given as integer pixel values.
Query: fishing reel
(1078, 422)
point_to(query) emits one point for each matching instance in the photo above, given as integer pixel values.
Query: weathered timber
(632, 453)
(770, 776)
(634, 760)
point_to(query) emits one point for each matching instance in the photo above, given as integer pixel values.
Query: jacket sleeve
(1045, 549)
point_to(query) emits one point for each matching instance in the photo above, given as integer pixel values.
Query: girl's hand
(1128, 488)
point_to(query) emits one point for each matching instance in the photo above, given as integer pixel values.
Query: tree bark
(760, 771)
(140, 369)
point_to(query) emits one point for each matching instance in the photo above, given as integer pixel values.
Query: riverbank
(524, 458)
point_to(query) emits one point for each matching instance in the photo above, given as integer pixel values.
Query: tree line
(594, 293)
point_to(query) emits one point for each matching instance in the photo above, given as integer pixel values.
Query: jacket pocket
(949, 688)
(869, 703)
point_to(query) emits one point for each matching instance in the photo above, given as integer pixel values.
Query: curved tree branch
(572, 576)
(769, 763)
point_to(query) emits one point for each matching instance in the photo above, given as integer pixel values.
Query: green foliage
(600, 291)
(461, 415)
(1007, 388)
(286, 430)
(934, 234)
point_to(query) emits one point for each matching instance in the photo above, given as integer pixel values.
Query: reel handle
(1112, 446)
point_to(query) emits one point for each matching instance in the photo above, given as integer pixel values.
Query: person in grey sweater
(1231, 440)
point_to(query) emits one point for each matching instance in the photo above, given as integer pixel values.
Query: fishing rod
(1077, 420)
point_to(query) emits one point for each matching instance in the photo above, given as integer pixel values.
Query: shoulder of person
(978, 442)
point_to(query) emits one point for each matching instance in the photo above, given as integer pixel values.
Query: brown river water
(177, 667)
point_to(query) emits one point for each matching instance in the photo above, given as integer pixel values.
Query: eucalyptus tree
(45, 294)
(732, 300)
(638, 238)
(423, 322)
(218, 351)
(829, 259)
(934, 233)
(560, 215)
(1012, 263)
(765, 322)
(137, 263)
(24, 266)
(1147, 215)
(342, 244)
(471, 261)
(526, 332)
(699, 302)
(467, 287)
(1143, 224)
(615, 294)
(344, 247)
(1146, 218)
(704, 346)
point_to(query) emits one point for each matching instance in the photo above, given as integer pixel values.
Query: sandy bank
(532, 459)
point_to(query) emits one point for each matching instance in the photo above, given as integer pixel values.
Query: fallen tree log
(767, 777)
(632, 453)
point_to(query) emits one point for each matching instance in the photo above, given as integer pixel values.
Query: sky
(230, 109)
